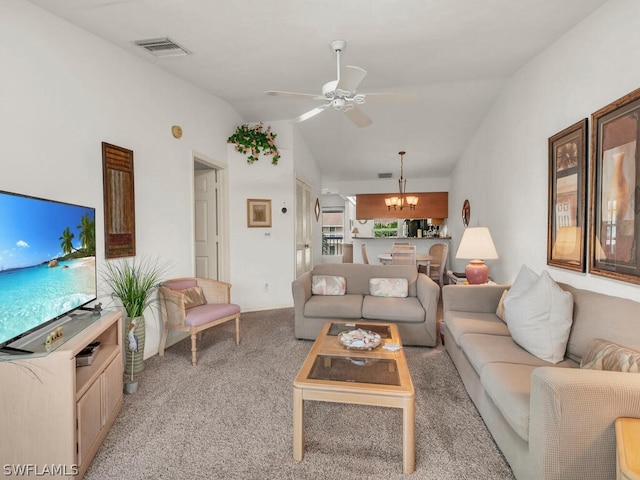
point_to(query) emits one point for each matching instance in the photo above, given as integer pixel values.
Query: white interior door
(304, 234)
(206, 233)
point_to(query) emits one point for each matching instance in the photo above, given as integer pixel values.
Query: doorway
(304, 235)
(208, 185)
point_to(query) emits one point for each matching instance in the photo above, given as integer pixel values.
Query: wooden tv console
(55, 415)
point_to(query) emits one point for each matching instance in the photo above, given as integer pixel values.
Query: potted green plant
(254, 140)
(133, 282)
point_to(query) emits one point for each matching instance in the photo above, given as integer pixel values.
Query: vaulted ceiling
(454, 56)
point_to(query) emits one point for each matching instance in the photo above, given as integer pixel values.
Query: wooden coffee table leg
(298, 425)
(408, 436)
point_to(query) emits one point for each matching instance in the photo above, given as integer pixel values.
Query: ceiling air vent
(385, 175)
(162, 47)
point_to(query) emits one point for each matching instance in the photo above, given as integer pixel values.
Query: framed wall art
(258, 213)
(615, 198)
(566, 226)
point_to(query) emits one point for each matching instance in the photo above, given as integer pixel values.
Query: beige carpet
(230, 417)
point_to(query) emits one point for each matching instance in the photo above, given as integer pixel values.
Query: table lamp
(355, 231)
(476, 245)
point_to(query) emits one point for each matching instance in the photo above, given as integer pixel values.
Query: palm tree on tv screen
(67, 241)
(87, 233)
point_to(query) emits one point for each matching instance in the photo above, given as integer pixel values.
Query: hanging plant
(253, 140)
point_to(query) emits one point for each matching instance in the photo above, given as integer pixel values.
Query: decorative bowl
(360, 339)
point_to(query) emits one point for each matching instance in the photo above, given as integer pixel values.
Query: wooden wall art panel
(119, 201)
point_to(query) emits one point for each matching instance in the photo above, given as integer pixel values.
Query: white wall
(504, 170)
(65, 92)
(263, 259)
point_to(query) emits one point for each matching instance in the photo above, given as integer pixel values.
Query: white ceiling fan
(341, 94)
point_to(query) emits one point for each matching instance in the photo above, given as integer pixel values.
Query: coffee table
(333, 373)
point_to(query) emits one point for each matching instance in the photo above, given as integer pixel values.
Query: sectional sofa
(414, 314)
(551, 420)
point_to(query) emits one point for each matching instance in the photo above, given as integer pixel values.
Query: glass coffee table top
(377, 371)
(336, 328)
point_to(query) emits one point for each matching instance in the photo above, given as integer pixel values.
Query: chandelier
(403, 200)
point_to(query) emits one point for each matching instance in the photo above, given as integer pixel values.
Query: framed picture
(566, 226)
(258, 212)
(615, 197)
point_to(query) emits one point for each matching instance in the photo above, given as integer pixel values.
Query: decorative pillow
(328, 285)
(389, 287)
(540, 317)
(604, 355)
(193, 297)
(500, 309)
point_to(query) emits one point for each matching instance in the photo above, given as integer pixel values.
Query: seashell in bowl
(360, 339)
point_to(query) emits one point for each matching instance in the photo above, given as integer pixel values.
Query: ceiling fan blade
(388, 98)
(309, 114)
(358, 117)
(350, 78)
(292, 94)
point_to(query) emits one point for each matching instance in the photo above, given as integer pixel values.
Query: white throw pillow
(328, 285)
(540, 317)
(389, 287)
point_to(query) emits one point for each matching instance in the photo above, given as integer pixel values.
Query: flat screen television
(47, 263)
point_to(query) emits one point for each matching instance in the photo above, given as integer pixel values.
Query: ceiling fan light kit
(340, 94)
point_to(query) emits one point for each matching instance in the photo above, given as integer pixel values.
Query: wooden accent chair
(194, 304)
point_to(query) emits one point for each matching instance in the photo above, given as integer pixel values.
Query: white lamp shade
(477, 243)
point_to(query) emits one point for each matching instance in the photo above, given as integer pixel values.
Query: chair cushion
(328, 285)
(605, 355)
(389, 287)
(210, 312)
(193, 297)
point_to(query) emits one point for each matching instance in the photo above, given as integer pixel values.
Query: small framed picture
(258, 212)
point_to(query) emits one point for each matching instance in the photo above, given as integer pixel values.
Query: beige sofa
(551, 421)
(415, 314)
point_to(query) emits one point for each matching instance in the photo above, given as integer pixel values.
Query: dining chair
(365, 258)
(439, 263)
(404, 255)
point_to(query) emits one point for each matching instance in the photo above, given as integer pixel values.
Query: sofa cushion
(339, 306)
(500, 310)
(540, 316)
(605, 355)
(328, 285)
(460, 323)
(407, 309)
(483, 349)
(389, 287)
(509, 387)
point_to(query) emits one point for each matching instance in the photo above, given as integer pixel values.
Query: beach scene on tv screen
(47, 261)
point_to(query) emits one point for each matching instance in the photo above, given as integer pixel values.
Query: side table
(628, 449)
